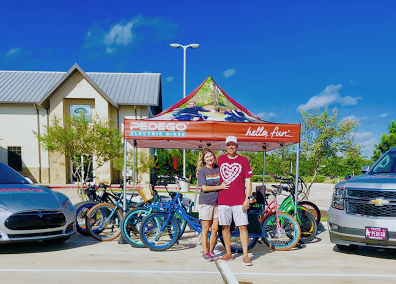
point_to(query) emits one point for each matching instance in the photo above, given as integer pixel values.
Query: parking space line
(316, 274)
(109, 271)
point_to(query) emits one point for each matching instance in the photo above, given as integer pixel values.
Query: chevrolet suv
(363, 209)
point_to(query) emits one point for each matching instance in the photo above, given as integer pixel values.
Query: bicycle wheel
(236, 245)
(82, 209)
(103, 222)
(308, 225)
(131, 224)
(313, 209)
(283, 235)
(159, 236)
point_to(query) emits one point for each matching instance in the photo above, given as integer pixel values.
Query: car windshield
(10, 176)
(387, 164)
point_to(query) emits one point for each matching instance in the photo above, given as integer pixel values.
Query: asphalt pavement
(82, 260)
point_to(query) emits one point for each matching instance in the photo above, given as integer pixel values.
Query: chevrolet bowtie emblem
(379, 201)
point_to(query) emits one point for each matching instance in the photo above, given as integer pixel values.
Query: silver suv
(363, 209)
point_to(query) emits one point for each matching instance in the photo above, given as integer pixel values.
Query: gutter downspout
(49, 165)
(38, 141)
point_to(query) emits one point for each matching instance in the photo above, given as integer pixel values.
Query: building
(29, 101)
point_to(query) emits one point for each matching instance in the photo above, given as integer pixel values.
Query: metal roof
(121, 88)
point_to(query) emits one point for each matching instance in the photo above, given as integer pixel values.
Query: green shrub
(319, 179)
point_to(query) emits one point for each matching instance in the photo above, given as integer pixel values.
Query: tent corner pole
(124, 177)
(297, 177)
(264, 153)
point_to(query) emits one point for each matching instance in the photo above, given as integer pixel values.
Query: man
(191, 112)
(234, 202)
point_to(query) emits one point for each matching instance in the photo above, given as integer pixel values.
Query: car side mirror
(365, 169)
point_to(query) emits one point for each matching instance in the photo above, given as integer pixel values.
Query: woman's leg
(213, 234)
(204, 234)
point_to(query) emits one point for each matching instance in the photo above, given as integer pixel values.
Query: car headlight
(338, 201)
(66, 203)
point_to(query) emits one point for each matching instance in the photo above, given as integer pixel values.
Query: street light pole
(176, 45)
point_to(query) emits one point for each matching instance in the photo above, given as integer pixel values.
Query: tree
(387, 141)
(325, 136)
(75, 137)
(144, 162)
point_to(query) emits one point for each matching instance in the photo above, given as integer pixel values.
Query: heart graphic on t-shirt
(230, 172)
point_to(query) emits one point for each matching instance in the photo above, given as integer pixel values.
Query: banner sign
(210, 130)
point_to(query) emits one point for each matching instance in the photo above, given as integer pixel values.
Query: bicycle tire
(309, 227)
(82, 209)
(131, 224)
(151, 235)
(103, 222)
(236, 245)
(313, 209)
(284, 240)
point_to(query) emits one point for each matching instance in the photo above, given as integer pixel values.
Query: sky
(273, 57)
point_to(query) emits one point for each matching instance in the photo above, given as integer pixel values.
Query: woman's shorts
(227, 213)
(208, 212)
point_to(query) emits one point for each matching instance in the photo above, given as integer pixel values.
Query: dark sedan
(31, 212)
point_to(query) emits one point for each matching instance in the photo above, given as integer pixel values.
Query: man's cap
(231, 139)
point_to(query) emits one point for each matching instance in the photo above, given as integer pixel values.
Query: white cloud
(169, 79)
(111, 38)
(228, 73)
(267, 116)
(13, 51)
(119, 34)
(330, 95)
(384, 115)
(367, 141)
(350, 118)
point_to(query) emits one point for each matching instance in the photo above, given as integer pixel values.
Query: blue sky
(273, 57)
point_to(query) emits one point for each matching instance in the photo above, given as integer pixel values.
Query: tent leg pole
(124, 177)
(297, 177)
(265, 151)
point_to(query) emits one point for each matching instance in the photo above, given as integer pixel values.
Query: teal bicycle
(132, 221)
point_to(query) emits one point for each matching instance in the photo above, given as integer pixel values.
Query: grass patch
(323, 214)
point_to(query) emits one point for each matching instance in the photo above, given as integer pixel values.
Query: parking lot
(84, 260)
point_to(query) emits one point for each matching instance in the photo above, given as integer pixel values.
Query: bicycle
(308, 224)
(280, 231)
(94, 197)
(132, 220)
(159, 231)
(103, 221)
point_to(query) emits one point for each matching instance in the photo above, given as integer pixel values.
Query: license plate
(376, 233)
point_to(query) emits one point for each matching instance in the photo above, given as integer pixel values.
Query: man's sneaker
(225, 258)
(247, 261)
(213, 256)
(207, 256)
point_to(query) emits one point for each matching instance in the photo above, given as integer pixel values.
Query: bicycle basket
(146, 193)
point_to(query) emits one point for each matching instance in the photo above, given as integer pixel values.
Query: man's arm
(248, 192)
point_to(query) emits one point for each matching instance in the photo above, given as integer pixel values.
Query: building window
(15, 158)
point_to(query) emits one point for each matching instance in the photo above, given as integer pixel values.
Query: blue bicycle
(132, 221)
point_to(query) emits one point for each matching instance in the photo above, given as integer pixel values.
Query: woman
(209, 181)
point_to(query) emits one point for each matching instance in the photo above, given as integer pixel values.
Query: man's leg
(243, 234)
(227, 239)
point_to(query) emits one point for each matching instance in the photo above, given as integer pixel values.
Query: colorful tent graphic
(208, 102)
(204, 119)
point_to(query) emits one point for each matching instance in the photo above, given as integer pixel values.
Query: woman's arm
(207, 188)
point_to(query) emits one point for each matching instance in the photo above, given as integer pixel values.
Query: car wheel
(347, 247)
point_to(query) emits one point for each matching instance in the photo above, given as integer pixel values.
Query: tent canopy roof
(203, 120)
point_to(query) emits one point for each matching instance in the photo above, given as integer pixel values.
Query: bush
(320, 179)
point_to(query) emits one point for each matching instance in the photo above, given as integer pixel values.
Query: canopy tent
(204, 119)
